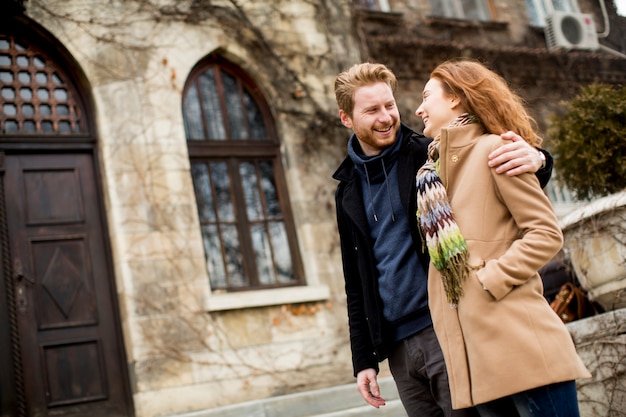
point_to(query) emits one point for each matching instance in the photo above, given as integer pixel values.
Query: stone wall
(601, 343)
(136, 56)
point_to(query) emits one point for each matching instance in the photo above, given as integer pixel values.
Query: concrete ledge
(342, 400)
(611, 323)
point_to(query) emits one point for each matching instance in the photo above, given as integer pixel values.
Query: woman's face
(438, 108)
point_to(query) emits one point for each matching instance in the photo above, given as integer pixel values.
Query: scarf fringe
(453, 276)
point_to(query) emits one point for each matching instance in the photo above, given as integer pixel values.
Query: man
(384, 261)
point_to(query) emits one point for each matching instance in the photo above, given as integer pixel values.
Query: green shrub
(589, 141)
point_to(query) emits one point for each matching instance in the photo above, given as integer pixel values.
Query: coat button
(455, 158)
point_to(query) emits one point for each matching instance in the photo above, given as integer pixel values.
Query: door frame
(11, 389)
(11, 394)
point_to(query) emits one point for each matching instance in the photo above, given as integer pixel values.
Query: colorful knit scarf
(446, 245)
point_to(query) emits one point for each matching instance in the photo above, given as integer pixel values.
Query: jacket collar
(350, 196)
(345, 172)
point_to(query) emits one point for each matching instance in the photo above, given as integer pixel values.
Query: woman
(506, 351)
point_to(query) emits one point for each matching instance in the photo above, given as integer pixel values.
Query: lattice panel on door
(35, 99)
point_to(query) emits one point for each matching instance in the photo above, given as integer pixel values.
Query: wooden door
(71, 350)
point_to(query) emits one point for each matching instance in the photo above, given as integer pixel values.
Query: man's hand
(516, 157)
(367, 384)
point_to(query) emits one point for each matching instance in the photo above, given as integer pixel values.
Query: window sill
(263, 298)
(378, 15)
(445, 22)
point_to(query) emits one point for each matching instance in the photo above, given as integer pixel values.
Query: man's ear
(345, 119)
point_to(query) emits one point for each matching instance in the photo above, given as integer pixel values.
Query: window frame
(538, 8)
(453, 9)
(234, 152)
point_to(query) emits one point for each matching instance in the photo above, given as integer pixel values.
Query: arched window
(247, 228)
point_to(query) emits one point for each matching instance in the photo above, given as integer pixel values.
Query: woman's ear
(455, 101)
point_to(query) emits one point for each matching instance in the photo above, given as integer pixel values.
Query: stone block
(601, 343)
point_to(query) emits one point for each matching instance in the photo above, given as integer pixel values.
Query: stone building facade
(168, 231)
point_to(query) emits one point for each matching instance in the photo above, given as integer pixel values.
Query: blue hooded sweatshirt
(401, 281)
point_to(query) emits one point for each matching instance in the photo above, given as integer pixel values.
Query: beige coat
(507, 339)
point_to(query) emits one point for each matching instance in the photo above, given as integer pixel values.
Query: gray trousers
(419, 371)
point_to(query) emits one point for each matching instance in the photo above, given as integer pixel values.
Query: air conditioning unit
(568, 30)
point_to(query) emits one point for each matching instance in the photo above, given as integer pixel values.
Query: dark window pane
(367, 4)
(263, 254)
(221, 181)
(64, 127)
(6, 77)
(564, 5)
(204, 194)
(269, 189)
(28, 110)
(211, 105)
(8, 93)
(26, 93)
(474, 10)
(192, 115)
(255, 118)
(41, 78)
(60, 94)
(63, 110)
(437, 7)
(461, 9)
(4, 45)
(45, 110)
(43, 94)
(214, 259)
(10, 126)
(9, 109)
(470, 11)
(39, 62)
(282, 256)
(22, 61)
(251, 191)
(234, 258)
(23, 77)
(47, 126)
(56, 79)
(5, 60)
(238, 128)
(29, 126)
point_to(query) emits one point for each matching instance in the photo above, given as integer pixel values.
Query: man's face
(375, 119)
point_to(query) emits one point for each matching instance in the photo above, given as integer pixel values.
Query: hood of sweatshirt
(375, 170)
